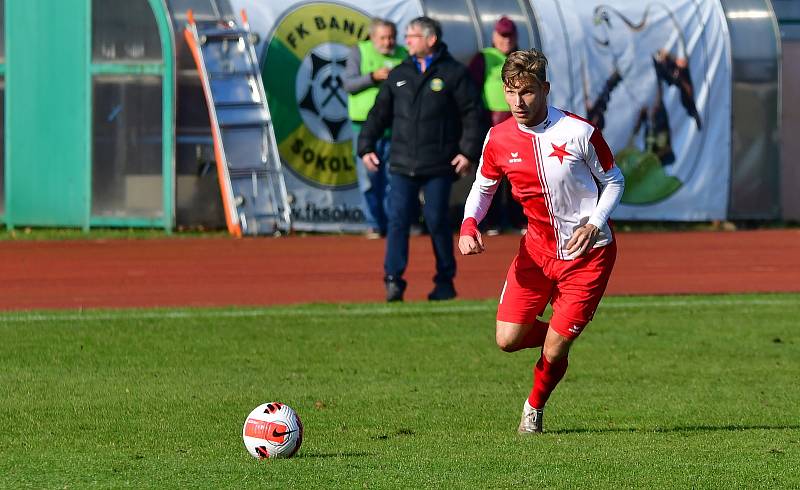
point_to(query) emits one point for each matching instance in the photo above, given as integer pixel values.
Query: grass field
(668, 392)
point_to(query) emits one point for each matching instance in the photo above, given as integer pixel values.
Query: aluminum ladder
(251, 181)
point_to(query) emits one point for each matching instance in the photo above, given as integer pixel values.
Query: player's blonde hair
(523, 67)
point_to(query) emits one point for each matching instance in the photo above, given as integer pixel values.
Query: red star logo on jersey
(560, 152)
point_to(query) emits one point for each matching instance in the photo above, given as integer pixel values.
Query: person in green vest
(485, 68)
(367, 66)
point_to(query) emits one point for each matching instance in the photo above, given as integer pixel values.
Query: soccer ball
(272, 430)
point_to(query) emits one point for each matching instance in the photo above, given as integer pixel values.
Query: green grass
(668, 392)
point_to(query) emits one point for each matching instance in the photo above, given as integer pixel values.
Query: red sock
(546, 376)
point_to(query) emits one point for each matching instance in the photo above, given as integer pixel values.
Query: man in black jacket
(434, 110)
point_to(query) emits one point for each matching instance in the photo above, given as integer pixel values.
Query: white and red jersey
(562, 172)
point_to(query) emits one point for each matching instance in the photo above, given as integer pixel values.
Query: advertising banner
(302, 49)
(655, 77)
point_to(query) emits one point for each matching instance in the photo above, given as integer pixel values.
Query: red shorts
(574, 287)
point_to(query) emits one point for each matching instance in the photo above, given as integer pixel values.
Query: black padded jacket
(433, 116)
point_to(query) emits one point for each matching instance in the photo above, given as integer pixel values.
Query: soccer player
(563, 174)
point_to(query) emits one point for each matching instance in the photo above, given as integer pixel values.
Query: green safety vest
(359, 104)
(493, 94)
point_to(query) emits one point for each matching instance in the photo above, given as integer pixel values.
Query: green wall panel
(47, 113)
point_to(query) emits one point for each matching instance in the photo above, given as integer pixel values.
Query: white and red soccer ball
(272, 430)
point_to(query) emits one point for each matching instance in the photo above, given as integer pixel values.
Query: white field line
(284, 311)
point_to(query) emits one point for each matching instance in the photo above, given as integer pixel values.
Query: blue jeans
(404, 196)
(374, 186)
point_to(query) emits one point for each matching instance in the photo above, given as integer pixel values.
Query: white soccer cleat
(531, 422)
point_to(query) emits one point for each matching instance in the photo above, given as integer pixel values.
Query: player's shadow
(680, 429)
(355, 454)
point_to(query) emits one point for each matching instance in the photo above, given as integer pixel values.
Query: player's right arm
(479, 199)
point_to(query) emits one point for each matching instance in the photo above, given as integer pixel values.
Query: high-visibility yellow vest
(493, 95)
(359, 104)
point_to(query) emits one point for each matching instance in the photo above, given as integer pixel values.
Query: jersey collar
(553, 115)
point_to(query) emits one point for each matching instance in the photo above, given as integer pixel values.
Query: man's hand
(461, 164)
(381, 74)
(582, 240)
(471, 245)
(371, 161)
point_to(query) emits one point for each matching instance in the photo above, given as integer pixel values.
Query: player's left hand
(582, 240)
(461, 164)
(471, 245)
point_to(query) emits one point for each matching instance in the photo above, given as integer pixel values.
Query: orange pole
(233, 228)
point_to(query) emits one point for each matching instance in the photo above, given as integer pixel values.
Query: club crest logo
(302, 69)
(437, 84)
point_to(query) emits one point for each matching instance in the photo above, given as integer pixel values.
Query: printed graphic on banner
(655, 77)
(646, 54)
(302, 71)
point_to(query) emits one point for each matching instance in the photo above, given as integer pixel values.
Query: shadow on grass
(361, 454)
(668, 430)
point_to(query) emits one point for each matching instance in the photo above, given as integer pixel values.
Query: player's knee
(507, 346)
(555, 351)
(505, 341)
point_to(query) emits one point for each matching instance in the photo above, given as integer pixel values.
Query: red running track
(267, 271)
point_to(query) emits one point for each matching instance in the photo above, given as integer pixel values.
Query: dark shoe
(395, 287)
(442, 291)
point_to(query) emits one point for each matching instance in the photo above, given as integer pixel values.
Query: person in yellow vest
(367, 66)
(486, 67)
